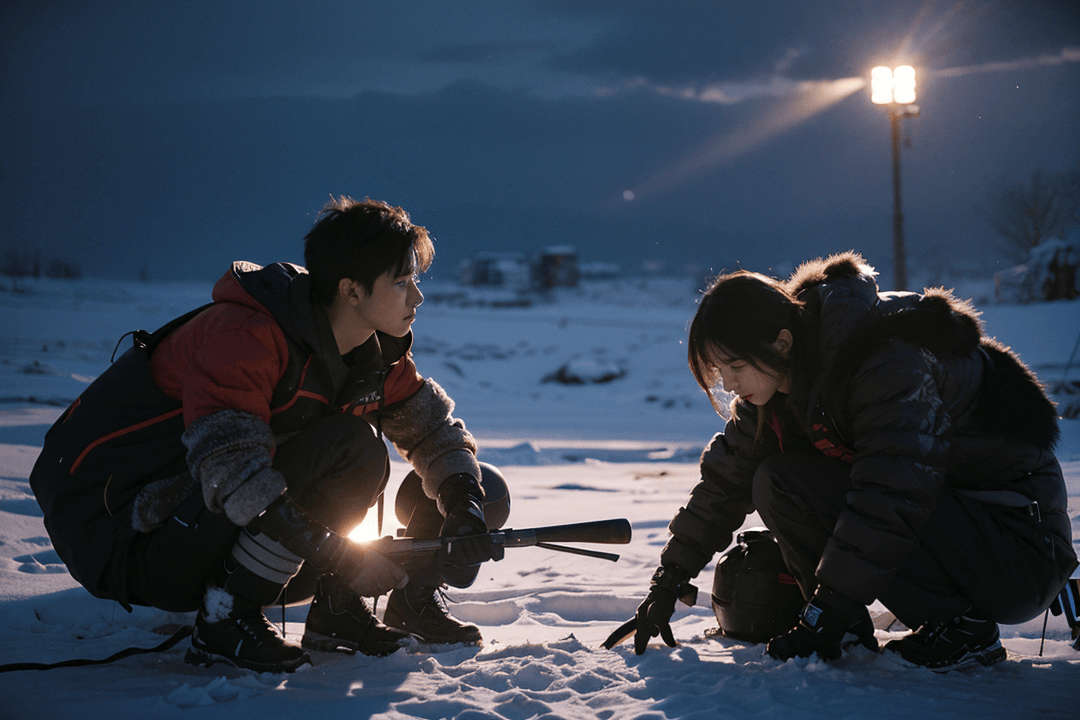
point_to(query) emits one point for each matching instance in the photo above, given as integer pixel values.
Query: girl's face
(751, 384)
(756, 385)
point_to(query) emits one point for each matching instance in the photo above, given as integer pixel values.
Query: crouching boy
(240, 443)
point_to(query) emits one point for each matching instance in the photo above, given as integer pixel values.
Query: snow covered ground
(625, 448)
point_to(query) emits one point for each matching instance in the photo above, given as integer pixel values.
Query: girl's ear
(783, 342)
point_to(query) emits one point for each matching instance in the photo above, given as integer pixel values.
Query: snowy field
(624, 448)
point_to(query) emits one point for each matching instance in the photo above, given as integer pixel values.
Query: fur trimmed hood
(854, 320)
(935, 319)
(821, 270)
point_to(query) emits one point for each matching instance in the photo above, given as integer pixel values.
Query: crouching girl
(895, 452)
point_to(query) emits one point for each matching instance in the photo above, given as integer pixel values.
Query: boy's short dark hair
(361, 241)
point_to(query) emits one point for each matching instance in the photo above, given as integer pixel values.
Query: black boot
(420, 610)
(231, 630)
(339, 620)
(958, 643)
(861, 632)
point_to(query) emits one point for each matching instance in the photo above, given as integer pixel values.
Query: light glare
(803, 101)
(904, 85)
(367, 530)
(881, 85)
(887, 86)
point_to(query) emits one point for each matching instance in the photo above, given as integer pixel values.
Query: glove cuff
(670, 577)
(675, 580)
(286, 523)
(457, 490)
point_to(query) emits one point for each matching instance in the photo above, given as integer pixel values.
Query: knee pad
(496, 497)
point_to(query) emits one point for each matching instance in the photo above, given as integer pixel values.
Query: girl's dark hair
(739, 317)
(361, 241)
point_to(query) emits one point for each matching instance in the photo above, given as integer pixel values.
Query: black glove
(461, 500)
(822, 625)
(653, 616)
(367, 572)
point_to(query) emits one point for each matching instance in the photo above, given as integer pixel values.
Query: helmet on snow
(754, 597)
(496, 496)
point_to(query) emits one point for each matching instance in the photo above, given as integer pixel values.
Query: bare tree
(16, 263)
(63, 269)
(1025, 213)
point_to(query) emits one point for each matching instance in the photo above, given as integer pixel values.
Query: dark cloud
(108, 51)
(734, 41)
(484, 53)
(113, 51)
(179, 137)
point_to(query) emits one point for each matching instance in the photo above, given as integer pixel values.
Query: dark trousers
(993, 559)
(336, 470)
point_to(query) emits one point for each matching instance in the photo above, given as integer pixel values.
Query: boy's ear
(351, 291)
(783, 342)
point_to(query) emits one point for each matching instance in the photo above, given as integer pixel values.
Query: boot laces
(340, 601)
(441, 598)
(955, 628)
(259, 628)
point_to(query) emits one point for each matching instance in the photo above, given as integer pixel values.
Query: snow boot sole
(202, 658)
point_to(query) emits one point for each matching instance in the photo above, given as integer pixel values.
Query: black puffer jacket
(907, 389)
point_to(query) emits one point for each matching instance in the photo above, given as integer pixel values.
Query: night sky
(166, 140)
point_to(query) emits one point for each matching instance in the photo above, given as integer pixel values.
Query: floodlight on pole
(904, 85)
(881, 85)
(896, 90)
(892, 86)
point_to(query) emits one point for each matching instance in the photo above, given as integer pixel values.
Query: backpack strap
(150, 340)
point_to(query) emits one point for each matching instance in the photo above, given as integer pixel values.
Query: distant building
(555, 266)
(497, 269)
(1052, 272)
(599, 270)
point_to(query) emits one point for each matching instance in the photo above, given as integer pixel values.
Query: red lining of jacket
(121, 433)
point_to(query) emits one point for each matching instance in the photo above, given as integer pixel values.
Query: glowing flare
(800, 101)
(366, 530)
(887, 86)
(904, 85)
(881, 85)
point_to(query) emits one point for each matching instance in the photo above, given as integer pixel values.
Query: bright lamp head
(881, 82)
(888, 86)
(904, 85)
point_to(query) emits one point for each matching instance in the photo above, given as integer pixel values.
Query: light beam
(803, 101)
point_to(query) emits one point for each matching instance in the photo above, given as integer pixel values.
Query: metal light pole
(896, 90)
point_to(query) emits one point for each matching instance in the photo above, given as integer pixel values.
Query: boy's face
(391, 306)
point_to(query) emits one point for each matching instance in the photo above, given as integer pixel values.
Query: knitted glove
(230, 453)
